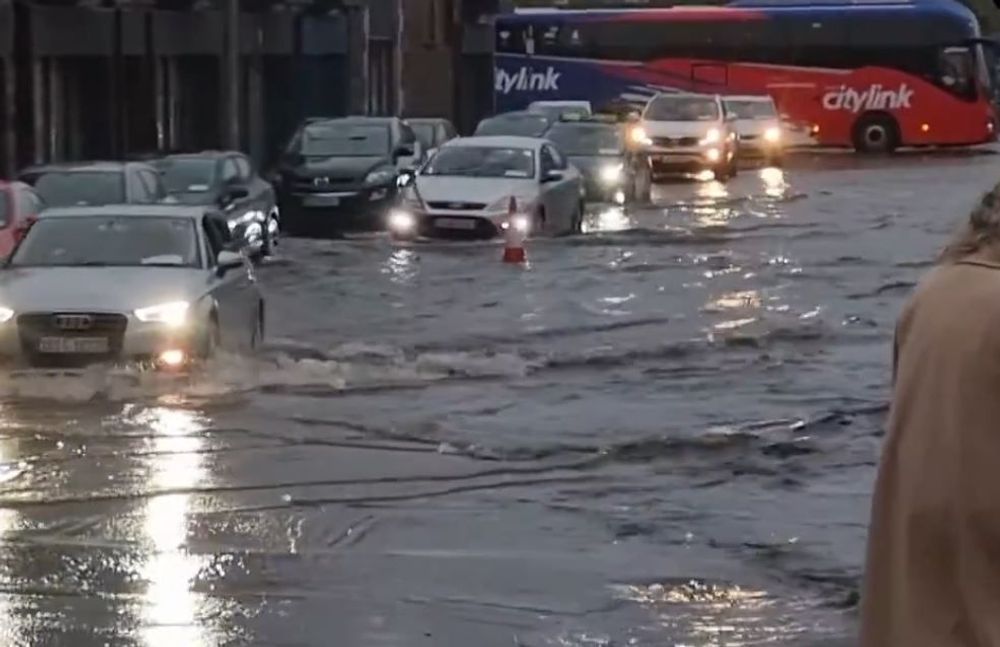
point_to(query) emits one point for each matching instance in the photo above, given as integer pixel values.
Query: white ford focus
(465, 191)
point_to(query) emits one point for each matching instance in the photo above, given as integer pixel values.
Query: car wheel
(272, 231)
(213, 339)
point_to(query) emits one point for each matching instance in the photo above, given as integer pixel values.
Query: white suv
(688, 132)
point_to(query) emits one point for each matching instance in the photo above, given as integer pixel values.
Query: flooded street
(661, 432)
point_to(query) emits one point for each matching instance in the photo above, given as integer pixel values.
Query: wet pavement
(662, 432)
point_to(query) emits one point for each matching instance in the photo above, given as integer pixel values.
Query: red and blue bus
(868, 74)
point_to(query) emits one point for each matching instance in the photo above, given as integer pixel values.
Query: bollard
(515, 233)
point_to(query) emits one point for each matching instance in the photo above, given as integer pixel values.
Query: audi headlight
(380, 176)
(772, 134)
(173, 314)
(711, 137)
(611, 173)
(6, 314)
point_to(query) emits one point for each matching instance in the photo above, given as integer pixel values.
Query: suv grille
(33, 327)
(667, 142)
(458, 206)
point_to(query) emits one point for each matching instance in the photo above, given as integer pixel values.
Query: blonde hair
(980, 233)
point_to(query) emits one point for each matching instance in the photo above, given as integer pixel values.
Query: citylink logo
(874, 98)
(526, 79)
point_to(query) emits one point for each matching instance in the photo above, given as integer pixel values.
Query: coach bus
(870, 74)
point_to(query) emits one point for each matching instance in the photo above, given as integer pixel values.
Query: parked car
(95, 183)
(555, 110)
(613, 170)
(758, 125)
(466, 189)
(689, 132)
(226, 180)
(432, 132)
(19, 207)
(514, 124)
(126, 283)
(339, 174)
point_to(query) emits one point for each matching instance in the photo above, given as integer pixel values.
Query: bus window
(510, 39)
(956, 71)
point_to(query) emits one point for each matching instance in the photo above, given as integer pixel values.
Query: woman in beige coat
(933, 566)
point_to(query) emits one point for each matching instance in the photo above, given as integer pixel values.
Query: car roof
(79, 167)
(496, 140)
(132, 210)
(359, 120)
(757, 98)
(517, 114)
(561, 103)
(427, 120)
(207, 154)
(687, 95)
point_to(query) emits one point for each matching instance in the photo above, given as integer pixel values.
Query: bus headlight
(611, 174)
(772, 135)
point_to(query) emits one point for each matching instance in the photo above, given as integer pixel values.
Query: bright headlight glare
(521, 223)
(611, 173)
(712, 136)
(713, 154)
(171, 314)
(6, 314)
(639, 136)
(402, 221)
(772, 134)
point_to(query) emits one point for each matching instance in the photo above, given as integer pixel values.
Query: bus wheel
(876, 133)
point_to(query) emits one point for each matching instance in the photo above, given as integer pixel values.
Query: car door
(261, 194)
(561, 195)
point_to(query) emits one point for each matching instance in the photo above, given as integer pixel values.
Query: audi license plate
(321, 200)
(95, 345)
(455, 223)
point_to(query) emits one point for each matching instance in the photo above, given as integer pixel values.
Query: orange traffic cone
(513, 248)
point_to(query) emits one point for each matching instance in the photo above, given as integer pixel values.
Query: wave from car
(466, 189)
(124, 284)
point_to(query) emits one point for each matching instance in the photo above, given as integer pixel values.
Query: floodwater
(660, 433)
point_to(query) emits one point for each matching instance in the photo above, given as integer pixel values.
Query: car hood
(337, 166)
(753, 126)
(679, 128)
(591, 165)
(445, 188)
(97, 289)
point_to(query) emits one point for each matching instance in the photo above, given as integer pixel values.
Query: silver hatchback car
(127, 283)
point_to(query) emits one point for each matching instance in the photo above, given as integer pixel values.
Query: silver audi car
(148, 284)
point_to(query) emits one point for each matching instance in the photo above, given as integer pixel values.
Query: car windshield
(514, 126)
(668, 108)
(586, 139)
(343, 140)
(426, 133)
(483, 161)
(187, 175)
(81, 188)
(556, 111)
(115, 241)
(755, 110)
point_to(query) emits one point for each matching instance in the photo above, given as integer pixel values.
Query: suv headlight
(772, 134)
(713, 136)
(380, 176)
(172, 314)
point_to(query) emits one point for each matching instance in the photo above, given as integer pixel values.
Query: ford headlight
(6, 314)
(381, 176)
(772, 135)
(611, 173)
(173, 314)
(711, 137)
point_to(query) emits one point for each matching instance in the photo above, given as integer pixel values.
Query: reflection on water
(719, 614)
(12, 628)
(401, 266)
(170, 612)
(775, 185)
(609, 219)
